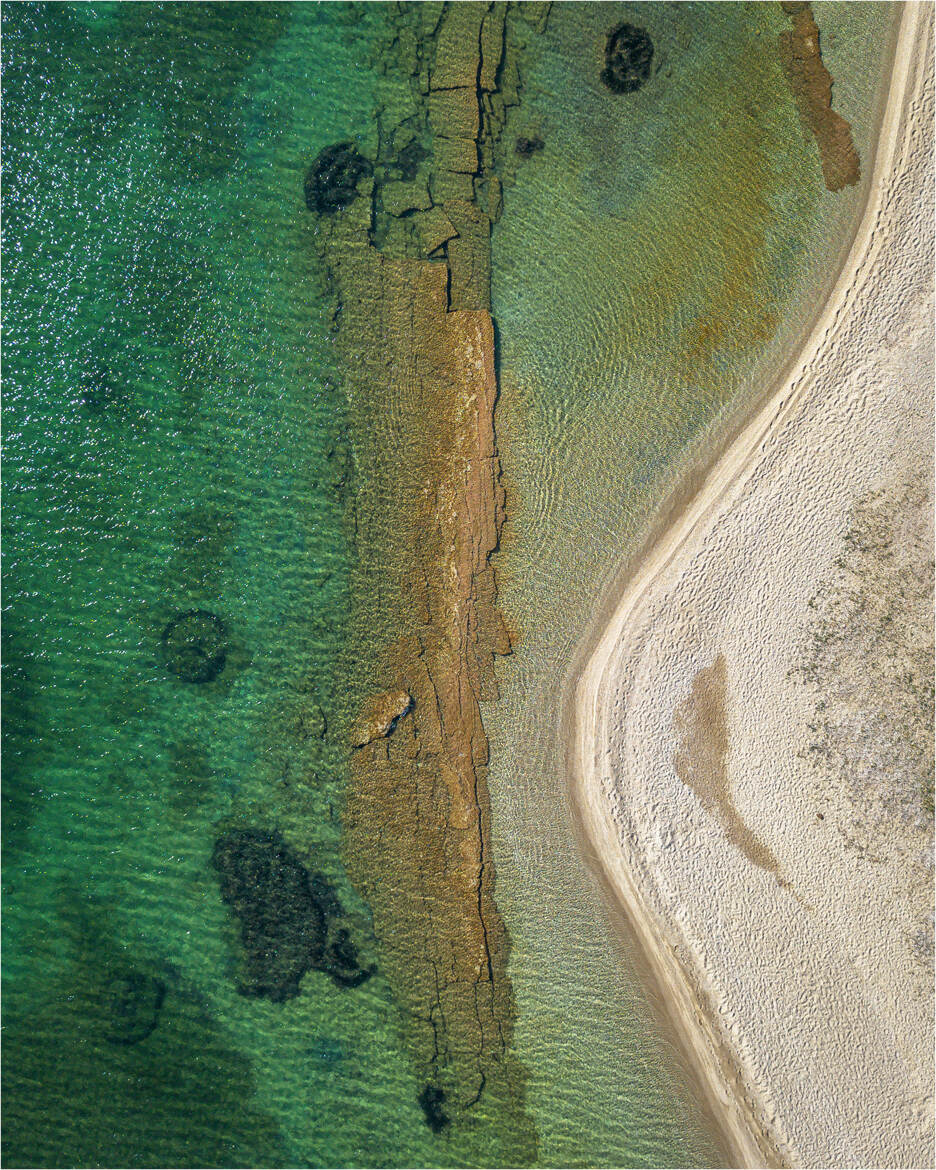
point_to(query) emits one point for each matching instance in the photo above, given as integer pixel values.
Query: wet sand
(772, 972)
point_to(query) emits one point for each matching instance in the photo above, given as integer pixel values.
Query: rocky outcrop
(811, 84)
(380, 716)
(416, 341)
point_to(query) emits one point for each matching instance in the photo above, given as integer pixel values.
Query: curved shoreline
(586, 692)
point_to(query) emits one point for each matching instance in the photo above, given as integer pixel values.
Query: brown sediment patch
(701, 723)
(811, 83)
(416, 343)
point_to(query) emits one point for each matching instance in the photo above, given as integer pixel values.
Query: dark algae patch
(195, 646)
(284, 916)
(628, 58)
(331, 182)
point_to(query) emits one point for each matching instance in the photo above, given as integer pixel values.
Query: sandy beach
(736, 752)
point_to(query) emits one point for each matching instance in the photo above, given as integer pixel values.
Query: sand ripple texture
(812, 971)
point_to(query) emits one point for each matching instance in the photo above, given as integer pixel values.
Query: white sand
(802, 1001)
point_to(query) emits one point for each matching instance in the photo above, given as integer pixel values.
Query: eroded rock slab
(811, 83)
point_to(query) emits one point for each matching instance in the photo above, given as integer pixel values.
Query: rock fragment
(381, 717)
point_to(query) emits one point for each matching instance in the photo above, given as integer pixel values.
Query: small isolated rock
(381, 716)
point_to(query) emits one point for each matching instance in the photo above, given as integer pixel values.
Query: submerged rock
(331, 182)
(195, 646)
(628, 57)
(132, 1003)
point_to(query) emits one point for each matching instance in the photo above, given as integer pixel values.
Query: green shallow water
(175, 440)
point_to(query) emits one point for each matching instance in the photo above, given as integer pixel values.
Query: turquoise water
(175, 441)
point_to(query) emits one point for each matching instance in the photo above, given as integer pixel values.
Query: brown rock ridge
(811, 84)
(416, 343)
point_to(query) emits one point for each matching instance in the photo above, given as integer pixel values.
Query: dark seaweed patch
(431, 1101)
(331, 182)
(526, 147)
(195, 646)
(284, 914)
(628, 57)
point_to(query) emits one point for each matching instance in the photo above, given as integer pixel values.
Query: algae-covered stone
(398, 198)
(453, 113)
(457, 154)
(434, 229)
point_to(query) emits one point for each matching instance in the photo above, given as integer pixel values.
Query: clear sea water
(175, 440)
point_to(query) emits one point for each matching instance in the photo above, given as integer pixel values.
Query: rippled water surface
(655, 266)
(175, 444)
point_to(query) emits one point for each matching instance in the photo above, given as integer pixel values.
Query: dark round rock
(132, 1003)
(331, 182)
(628, 57)
(195, 646)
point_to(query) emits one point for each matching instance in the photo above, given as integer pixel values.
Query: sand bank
(779, 904)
